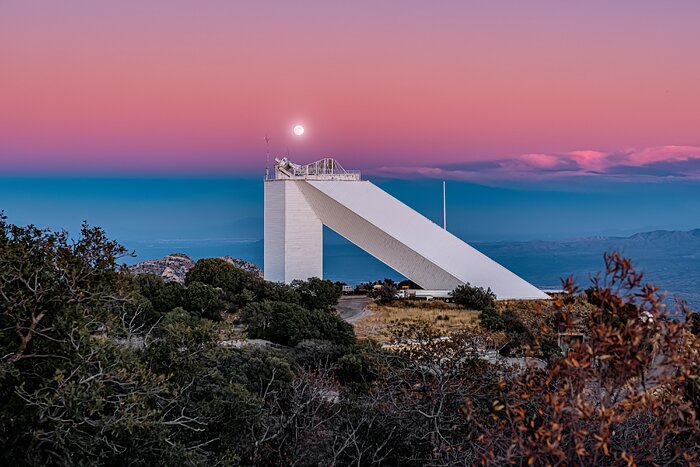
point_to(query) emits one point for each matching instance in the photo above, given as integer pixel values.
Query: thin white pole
(444, 207)
(267, 158)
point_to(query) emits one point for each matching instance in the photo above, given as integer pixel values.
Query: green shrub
(317, 294)
(289, 323)
(275, 292)
(360, 367)
(550, 349)
(315, 354)
(204, 300)
(164, 296)
(514, 325)
(216, 272)
(692, 391)
(491, 319)
(255, 368)
(476, 298)
(384, 294)
(350, 368)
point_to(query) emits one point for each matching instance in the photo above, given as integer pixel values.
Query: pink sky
(193, 86)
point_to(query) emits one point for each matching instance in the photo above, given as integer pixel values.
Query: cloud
(650, 164)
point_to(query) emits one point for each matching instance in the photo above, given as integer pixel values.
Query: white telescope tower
(301, 199)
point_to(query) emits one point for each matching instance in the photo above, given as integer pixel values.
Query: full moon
(298, 130)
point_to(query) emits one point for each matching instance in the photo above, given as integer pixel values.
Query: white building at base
(300, 200)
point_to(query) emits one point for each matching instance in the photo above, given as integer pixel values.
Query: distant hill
(174, 267)
(668, 235)
(670, 259)
(675, 242)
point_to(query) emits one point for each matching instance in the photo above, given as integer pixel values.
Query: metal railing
(324, 169)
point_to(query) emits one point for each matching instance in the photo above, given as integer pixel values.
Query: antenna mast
(444, 207)
(267, 151)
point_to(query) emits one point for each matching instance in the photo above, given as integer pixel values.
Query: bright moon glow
(298, 130)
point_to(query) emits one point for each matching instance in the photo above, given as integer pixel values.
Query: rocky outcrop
(245, 265)
(174, 267)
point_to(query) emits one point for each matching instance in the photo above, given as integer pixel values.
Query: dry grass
(447, 318)
(539, 316)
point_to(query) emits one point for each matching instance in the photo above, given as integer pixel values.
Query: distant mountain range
(658, 245)
(692, 235)
(670, 259)
(680, 242)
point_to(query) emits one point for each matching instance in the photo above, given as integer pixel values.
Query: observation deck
(324, 169)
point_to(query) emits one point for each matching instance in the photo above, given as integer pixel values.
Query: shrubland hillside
(100, 367)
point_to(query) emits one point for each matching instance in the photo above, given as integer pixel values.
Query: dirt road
(353, 307)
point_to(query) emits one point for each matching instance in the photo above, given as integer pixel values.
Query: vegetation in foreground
(100, 368)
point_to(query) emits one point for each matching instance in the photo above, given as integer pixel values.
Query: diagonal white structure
(300, 200)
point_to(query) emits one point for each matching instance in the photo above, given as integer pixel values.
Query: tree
(72, 392)
(491, 319)
(475, 298)
(383, 292)
(218, 273)
(49, 285)
(164, 296)
(274, 292)
(288, 324)
(317, 294)
(204, 300)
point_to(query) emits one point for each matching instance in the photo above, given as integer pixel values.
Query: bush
(694, 323)
(139, 312)
(216, 272)
(351, 368)
(288, 324)
(475, 298)
(491, 319)
(164, 296)
(550, 349)
(255, 368)
(316, 354)
(204, 300)
(384, 294)
(518, 333)
(514, 325)
(180, 316)
(276, 292)
(317, 294)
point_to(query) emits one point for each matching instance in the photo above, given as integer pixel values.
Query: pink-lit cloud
(654, 163)
(664, 154)
(590, 160)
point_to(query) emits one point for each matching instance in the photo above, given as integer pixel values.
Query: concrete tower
(300, 200)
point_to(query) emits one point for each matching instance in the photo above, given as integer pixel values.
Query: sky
(479, 91)
(549, 119)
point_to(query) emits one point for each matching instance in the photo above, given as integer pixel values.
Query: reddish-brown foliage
(621, 397)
